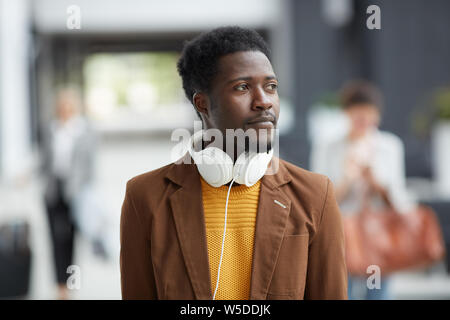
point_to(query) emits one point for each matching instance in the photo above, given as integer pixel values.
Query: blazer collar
(187, 209)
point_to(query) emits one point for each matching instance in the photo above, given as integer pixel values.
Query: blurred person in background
(366, 164)
(68, 170)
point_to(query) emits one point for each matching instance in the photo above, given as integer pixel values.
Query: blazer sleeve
(327, 271)
(136, 269)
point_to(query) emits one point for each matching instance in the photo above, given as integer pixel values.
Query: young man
(284, 237)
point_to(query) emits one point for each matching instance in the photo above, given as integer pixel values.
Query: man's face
(244, 95)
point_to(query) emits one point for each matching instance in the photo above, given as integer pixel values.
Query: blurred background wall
(123, 58)
(407, 59)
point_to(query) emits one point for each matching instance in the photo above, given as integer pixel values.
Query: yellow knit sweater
(235, 272)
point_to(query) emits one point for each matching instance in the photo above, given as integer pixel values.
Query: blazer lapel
(187, 209)
(270, 224)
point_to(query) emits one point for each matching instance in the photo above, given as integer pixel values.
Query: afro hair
(197, 65)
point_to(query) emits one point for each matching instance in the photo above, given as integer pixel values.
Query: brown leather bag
(392, 241)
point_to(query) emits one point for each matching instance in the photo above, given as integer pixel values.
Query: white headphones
(217, 168)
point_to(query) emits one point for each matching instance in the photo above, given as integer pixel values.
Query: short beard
(259, 146)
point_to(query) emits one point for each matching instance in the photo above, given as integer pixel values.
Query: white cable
(223, 239)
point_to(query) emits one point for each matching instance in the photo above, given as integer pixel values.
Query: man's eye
(273, 86)
(242, 87)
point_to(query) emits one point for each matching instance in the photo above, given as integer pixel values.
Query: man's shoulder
(151, 179)
(300, 177)
(306, 178)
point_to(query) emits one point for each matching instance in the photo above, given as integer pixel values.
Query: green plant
(442, 103)
(435, 107)
(328, 99)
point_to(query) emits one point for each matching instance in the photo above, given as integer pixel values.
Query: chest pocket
(288, 281)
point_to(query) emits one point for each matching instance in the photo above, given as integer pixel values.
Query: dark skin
(243, 90)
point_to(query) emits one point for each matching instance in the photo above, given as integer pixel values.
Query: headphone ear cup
(241, 168)
(249, 168)
(215, 166)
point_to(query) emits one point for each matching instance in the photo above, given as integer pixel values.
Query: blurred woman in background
(366, 166)
(68, 168)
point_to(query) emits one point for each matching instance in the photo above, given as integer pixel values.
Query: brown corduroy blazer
(298, 249)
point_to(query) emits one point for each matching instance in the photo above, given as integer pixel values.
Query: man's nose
(261, 100)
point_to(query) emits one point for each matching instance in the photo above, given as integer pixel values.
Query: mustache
(267, 116)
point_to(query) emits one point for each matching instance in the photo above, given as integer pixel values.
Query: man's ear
(201, 103)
